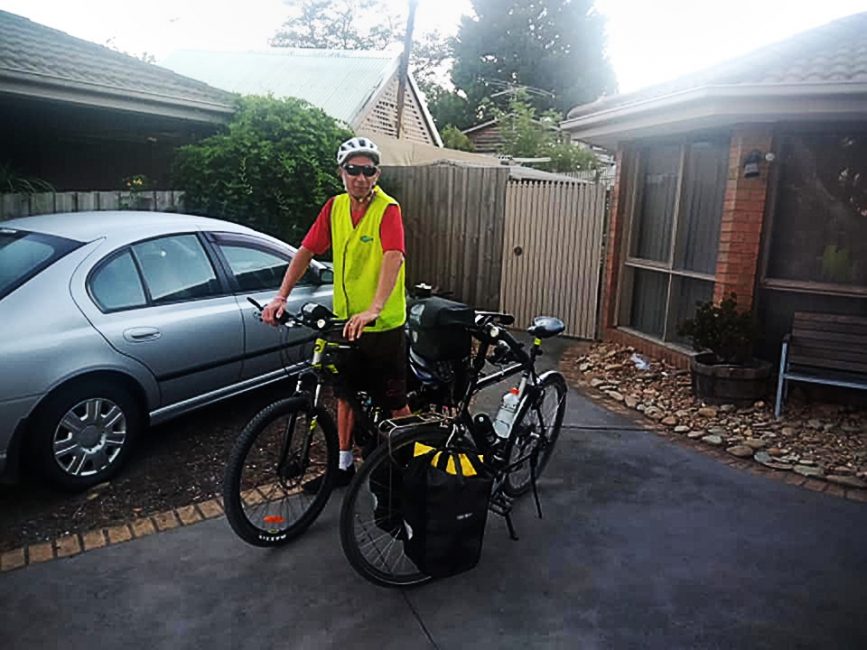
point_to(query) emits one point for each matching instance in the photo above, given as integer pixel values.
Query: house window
(818, 239)
(673, 238)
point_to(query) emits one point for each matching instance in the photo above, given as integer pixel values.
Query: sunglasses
(355, 170)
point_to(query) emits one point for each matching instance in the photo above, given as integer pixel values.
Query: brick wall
(742, 218)
(614, 240)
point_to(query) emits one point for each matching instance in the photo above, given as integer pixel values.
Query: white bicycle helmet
(356, 147)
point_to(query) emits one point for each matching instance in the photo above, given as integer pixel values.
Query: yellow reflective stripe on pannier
(467, 468)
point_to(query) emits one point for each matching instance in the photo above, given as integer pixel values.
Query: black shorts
(378, 366)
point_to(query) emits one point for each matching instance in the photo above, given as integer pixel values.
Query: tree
(555, 48)
(272, 168)
(453, 138)
(334, 25)
(527, 136)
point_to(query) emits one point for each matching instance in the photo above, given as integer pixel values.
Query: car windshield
(24, 254)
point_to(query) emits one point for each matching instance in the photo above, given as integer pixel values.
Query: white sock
(345, 459)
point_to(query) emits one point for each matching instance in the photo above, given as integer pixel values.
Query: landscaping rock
(808, 470)
(713, 440)
(741, 451)
(768, 461)
(812, 435)
(613, 394)
(848, 481)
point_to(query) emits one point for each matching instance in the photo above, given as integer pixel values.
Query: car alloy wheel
(89, 437)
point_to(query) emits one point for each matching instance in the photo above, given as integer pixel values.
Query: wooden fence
(553, 252)
(528, 247)
(25, 205)
(453, 217)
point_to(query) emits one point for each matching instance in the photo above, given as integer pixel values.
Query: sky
(649, 41)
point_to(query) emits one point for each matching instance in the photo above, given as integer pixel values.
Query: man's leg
(345, 423)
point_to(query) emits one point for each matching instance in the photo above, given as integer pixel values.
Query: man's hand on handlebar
(274, 310)
(355, 325)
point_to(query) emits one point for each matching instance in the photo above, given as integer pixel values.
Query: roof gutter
(99, 96)
(721, 104)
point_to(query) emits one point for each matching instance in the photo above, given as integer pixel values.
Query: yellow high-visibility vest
(357, 262)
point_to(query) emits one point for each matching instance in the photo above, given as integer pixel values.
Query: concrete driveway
(644, 544)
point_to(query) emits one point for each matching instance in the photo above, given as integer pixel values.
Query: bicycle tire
(267, 505)
(368, 511)
(531, 418)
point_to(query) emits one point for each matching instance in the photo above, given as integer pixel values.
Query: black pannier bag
(438, 328)
(445, 507)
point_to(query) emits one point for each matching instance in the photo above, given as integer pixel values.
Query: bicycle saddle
(546, 326)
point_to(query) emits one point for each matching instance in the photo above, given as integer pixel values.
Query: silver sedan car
(113, 321)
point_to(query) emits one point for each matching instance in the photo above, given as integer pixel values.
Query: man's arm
(296, 269)
(391, 263)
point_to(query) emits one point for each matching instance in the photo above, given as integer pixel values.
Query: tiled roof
(47, 56)
(338, 82)
(835, 53)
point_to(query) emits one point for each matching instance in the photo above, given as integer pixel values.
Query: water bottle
(503, 421)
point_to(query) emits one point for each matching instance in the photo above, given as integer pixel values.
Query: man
(364, 229)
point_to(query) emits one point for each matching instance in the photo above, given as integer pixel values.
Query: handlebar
(312, 315)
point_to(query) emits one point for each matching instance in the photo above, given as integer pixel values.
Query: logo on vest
(366, 239)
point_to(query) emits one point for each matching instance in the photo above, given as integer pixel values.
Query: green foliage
(722, 330)
(526, 136)
(454, 139)
(16, 183)
(330, 24)
(272, 169)
(554, 47)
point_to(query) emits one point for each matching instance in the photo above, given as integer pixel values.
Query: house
(82, 116)
(487, 136)
(359, 88)
(749, 177)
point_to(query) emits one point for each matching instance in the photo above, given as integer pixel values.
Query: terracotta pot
(721, 383)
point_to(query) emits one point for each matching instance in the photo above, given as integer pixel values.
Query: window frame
(775, 179)
(626, 272)
(217, 267)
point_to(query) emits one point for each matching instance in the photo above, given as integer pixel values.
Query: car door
(256, 265)
(162, 302)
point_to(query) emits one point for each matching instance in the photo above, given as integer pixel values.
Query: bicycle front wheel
(280, 472)
(535, 432)
(371, 520)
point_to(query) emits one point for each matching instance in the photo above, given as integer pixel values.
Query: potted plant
(724, 370)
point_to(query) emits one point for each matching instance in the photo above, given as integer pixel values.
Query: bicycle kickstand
(511, 527)
(533, 460)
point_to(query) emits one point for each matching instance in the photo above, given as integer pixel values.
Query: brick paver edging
(75, 543)
(752, 466)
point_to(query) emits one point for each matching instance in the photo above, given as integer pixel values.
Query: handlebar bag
(438, 328)
(445, 507)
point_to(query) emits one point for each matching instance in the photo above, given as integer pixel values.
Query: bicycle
(371, 526)
(293, 442)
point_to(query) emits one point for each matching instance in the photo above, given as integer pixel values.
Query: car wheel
(83, 434)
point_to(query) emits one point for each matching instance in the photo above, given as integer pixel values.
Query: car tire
(82, 435)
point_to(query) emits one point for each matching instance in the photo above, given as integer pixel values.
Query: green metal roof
(339, 82)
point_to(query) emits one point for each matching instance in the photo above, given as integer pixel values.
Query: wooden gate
(552, 252)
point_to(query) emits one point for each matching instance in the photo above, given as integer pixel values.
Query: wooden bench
(823, 349)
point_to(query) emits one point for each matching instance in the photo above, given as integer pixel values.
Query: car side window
(256, 269)
(116, 284)
(176, 268)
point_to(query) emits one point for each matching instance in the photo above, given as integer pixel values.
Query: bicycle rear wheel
(371, 522)
(536, 426)
(284, 448)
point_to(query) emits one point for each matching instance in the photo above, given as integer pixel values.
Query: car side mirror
(326, 276)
